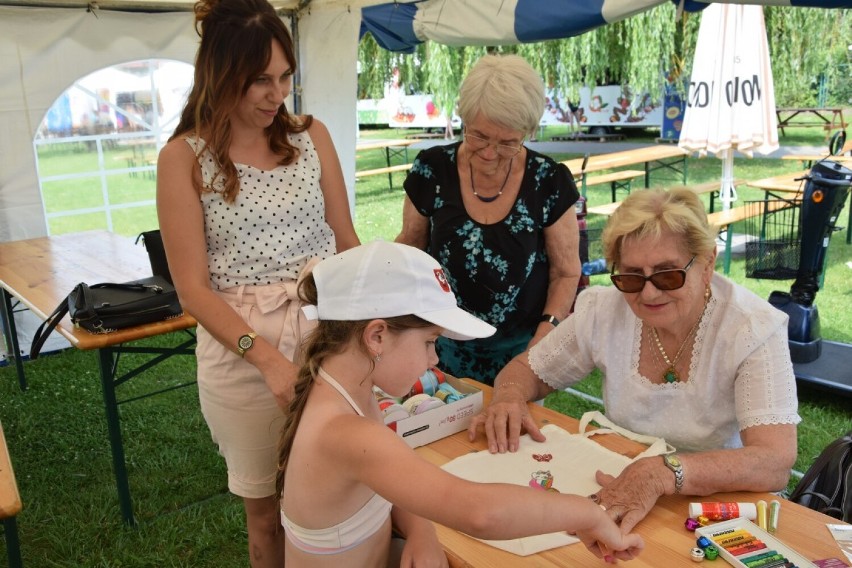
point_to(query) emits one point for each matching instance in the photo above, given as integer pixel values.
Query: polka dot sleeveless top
(275, 225)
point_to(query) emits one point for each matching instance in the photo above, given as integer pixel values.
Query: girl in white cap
(344, 477)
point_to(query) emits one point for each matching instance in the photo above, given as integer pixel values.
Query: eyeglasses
(478, 144)
(663, 280)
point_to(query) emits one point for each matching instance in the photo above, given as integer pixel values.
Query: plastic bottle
(597, 266)
(716, 511)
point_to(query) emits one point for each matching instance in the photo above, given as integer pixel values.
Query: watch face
(246, 341)
(673, 460)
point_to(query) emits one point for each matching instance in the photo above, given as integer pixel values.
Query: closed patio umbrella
(731, 99)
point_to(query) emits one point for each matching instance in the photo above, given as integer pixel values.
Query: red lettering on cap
(442, 279)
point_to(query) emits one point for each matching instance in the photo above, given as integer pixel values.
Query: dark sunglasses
(663, 280)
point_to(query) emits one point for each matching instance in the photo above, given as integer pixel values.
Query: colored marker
(774, 513)
(753, 546)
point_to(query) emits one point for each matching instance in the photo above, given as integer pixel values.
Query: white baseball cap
(383, 280)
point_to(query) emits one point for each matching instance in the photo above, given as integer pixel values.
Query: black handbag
(106, 307)
(153, 242)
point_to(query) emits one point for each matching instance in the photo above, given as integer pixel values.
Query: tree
(642, 51)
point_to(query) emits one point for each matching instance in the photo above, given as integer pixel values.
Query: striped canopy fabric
(400, 26)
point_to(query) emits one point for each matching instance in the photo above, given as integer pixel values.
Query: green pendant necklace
(670, 375)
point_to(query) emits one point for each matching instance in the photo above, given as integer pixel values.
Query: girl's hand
(605, 540)
(423, 551)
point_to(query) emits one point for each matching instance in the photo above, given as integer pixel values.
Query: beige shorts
(241, 412)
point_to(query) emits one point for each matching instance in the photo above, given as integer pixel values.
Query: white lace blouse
(740, 375)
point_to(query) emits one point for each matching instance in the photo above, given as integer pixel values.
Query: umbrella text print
(737, 90)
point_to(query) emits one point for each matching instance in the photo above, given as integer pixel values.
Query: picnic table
(654, 158)
(38, 274)
(826, 118)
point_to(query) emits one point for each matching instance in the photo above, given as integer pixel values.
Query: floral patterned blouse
(498, 271)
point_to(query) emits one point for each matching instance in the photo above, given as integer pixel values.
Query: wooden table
(395, 147)
(39, 273)
(825, 118)
(659, 157)
(667, 542)
(784, 183)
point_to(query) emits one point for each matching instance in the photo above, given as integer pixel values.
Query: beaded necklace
(502, 187)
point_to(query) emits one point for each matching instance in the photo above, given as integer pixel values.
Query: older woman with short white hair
(686, 355)
(498, 216)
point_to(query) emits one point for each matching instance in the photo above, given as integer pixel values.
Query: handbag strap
(656, 446)
(49, 324)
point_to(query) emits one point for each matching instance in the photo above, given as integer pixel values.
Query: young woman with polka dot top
(248, 197)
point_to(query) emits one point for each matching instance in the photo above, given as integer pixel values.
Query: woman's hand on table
(503, 420)
(629, 497)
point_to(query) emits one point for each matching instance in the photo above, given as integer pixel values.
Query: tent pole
(297, 80)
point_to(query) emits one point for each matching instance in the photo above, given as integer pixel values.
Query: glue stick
(716, 511)
(762, 514)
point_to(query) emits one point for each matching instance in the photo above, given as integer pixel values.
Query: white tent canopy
(44, 50)
(46, 45)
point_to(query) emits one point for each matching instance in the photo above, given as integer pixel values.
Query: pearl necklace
(671, 375)
(502, 187)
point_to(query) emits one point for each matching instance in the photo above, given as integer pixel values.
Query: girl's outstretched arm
(375, 456)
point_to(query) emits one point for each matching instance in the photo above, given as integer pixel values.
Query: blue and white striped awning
(400, 26)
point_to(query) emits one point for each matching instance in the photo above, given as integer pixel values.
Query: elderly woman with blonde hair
(498, 216)
(685, 353)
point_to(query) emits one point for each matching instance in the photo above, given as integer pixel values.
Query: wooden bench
(10, 504)
(713, 187)
(706, 187)
(606, 209)
(807, 160)
(783, 183)
(617, 180)
(391, 148)
(388, 170)
(588, 137)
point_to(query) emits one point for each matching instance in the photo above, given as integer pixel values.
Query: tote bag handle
(656, 446)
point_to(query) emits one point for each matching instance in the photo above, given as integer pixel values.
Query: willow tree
(807, 45)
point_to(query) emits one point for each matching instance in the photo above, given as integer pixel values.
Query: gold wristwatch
(245, 342)
(673, 462)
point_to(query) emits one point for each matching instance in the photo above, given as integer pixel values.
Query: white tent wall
(44, 50)
(328, 65)
(42, 53)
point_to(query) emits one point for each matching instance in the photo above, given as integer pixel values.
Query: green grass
(57, 435)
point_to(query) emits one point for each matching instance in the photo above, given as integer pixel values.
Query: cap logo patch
(442, 279)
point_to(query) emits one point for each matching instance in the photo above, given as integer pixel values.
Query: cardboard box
(442, 421)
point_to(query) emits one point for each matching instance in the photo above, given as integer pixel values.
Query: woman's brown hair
(236, 47)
